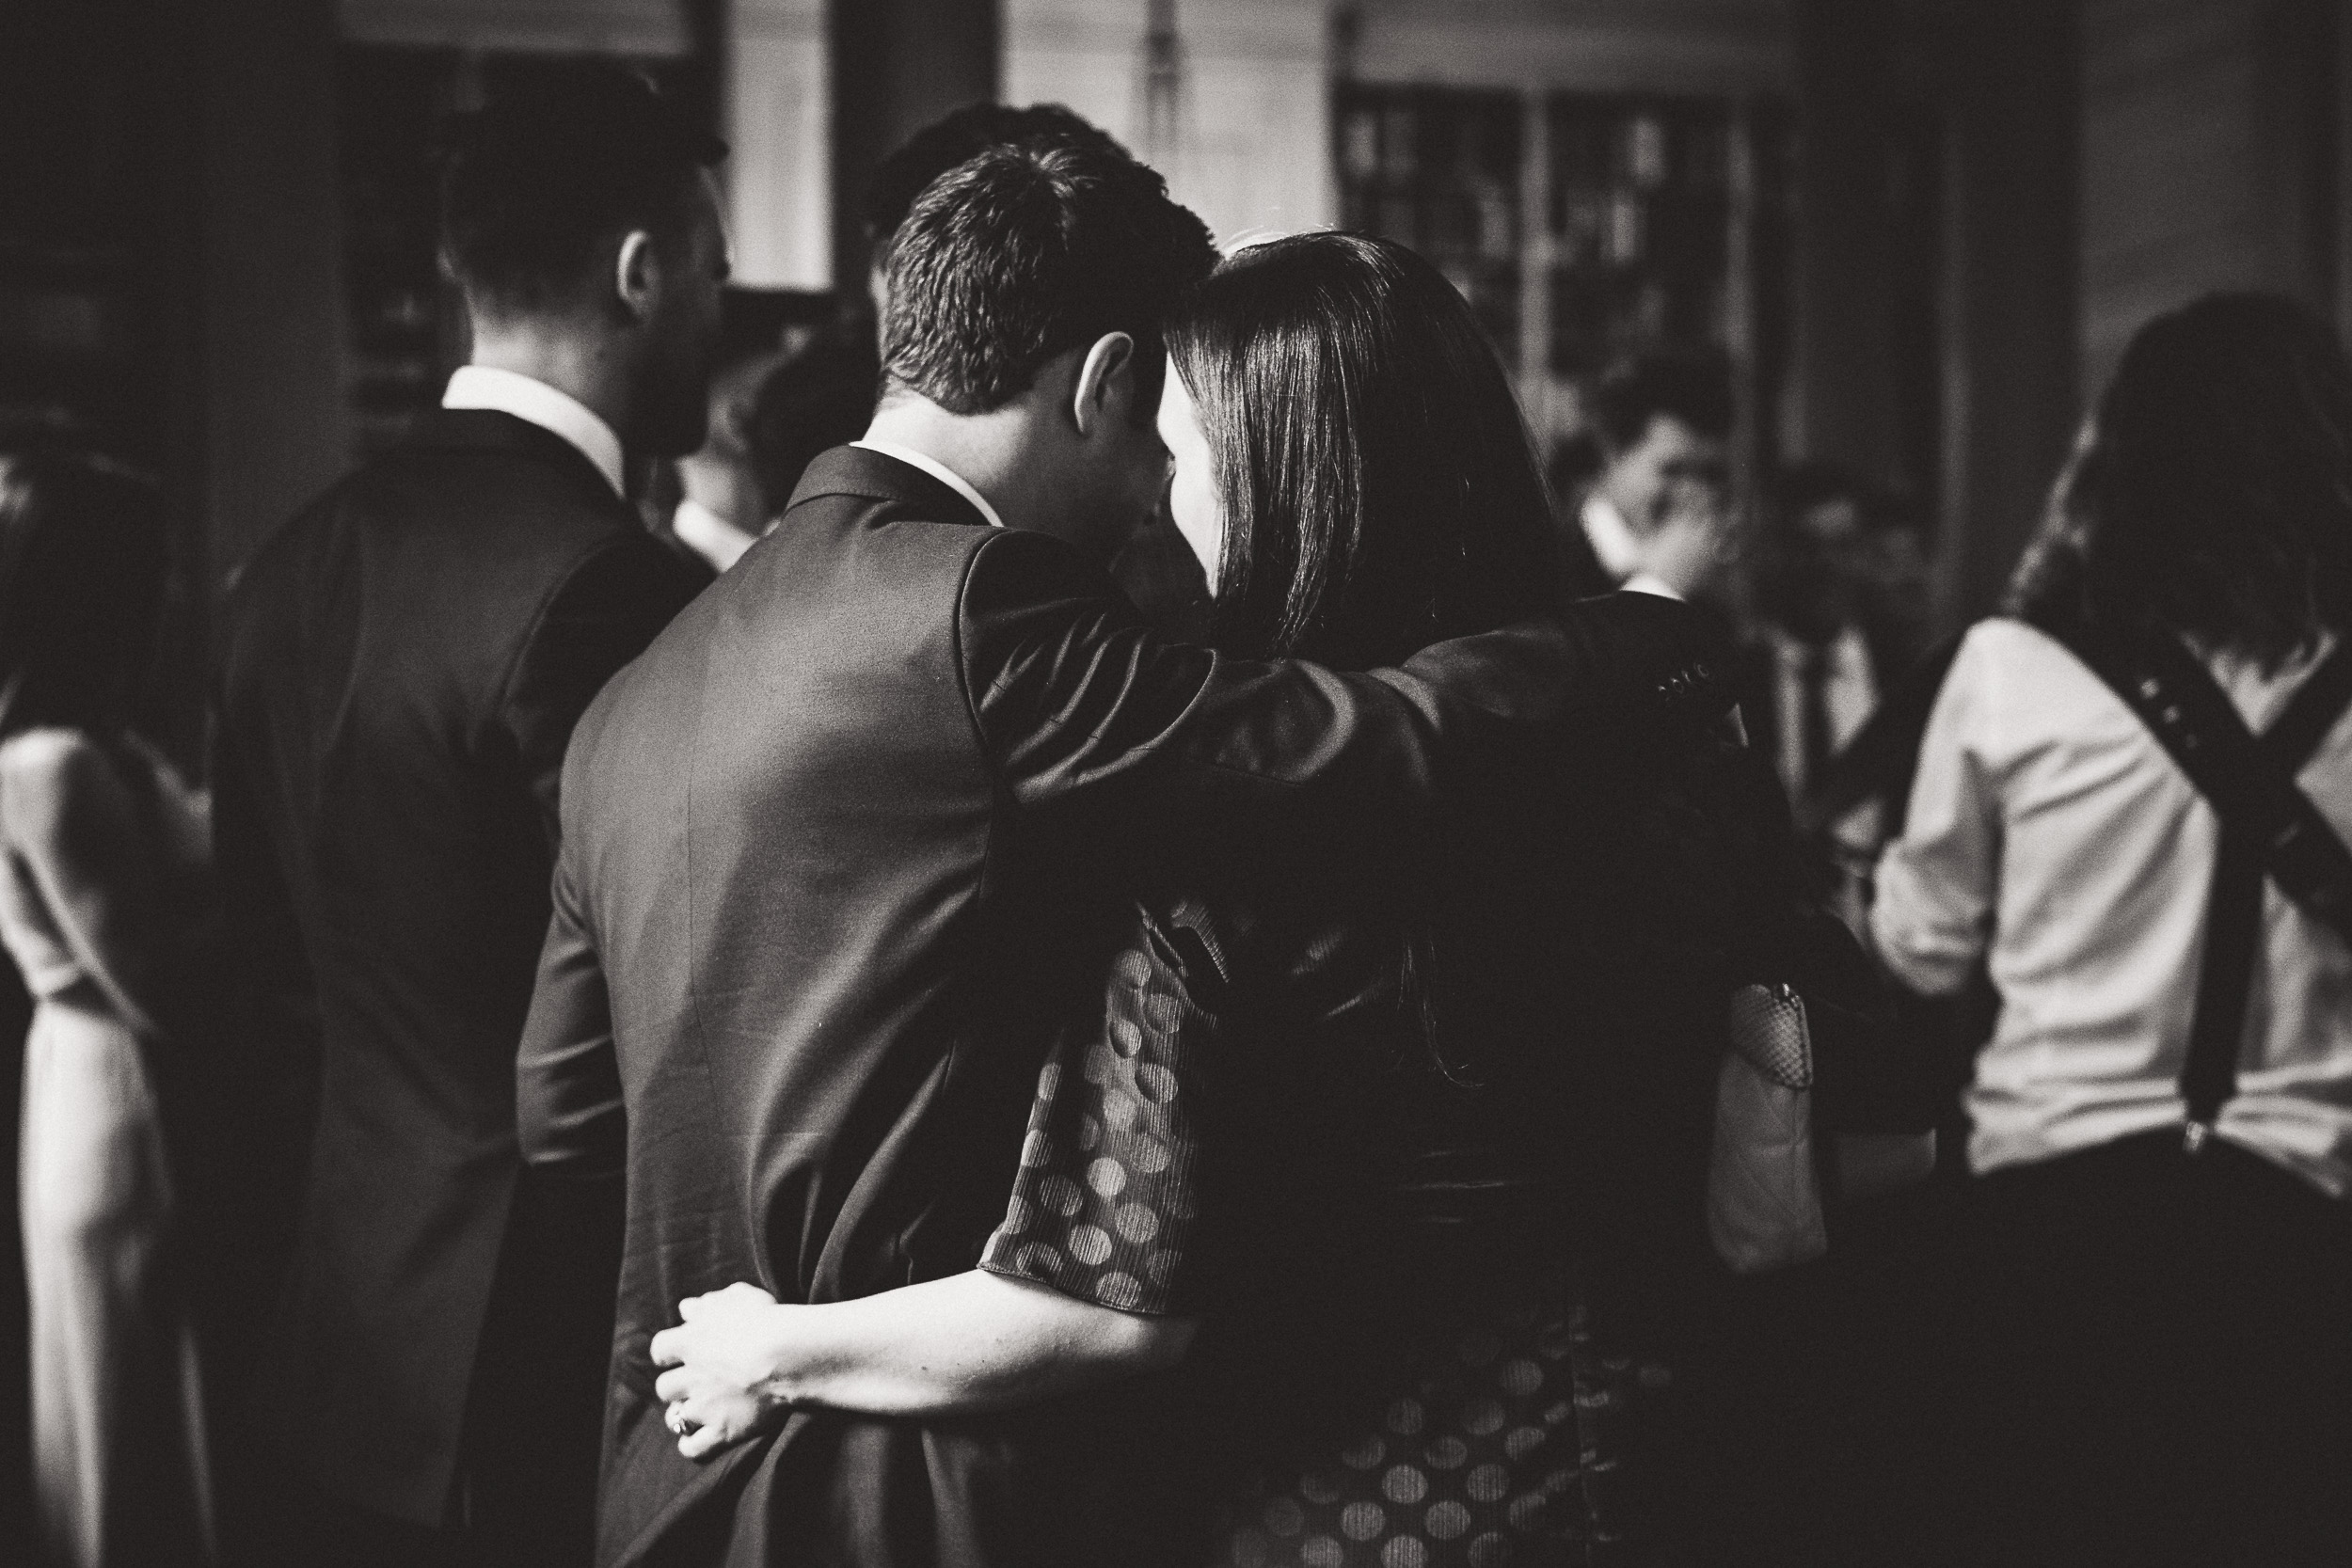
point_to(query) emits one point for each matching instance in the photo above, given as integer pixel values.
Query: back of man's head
(956, 137)
(1023, 253)
(1690, 387)
(539, 184)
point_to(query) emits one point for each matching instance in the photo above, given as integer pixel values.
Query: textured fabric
(2049, 832)
(1108, 1199)
(1283, 1163)
(833, 850)
(400, 670)
(1503, 1445)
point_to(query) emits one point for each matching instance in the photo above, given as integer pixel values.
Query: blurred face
(1192, 499)
(681, 331)
(1673, 473)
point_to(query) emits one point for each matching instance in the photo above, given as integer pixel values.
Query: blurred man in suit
(1841, 598)
(1655, 512)
(401, 669)
(832, 846)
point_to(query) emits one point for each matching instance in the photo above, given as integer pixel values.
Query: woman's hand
(724, 1380)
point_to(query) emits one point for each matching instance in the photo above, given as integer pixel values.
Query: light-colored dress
(101, 841)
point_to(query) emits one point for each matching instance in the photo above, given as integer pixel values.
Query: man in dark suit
(831, 846)
(1654, 512)
(401, 668)
(1841, 595)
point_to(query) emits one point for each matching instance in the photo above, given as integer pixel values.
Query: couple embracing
(1084, 1099)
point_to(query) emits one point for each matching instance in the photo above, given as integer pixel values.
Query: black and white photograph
(1175, 783)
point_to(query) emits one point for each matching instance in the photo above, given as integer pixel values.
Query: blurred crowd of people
(1104, 925)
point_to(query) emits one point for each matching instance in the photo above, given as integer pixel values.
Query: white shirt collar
(527, 398)
(1649, 582)
(938, 471)
(708, 535)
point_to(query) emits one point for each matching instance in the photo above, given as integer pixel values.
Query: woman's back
(103, 844)
(1342, 1117)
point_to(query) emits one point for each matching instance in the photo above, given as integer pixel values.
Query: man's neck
(982, 449)
(575, 364)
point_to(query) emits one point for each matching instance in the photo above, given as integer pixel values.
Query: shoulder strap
(2249, 782)
(2268, 825)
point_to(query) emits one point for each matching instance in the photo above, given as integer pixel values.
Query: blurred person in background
(722, 506)
(1841, 617)
(1655, 512)
(820, 396)
(400, 670)
(2161, 1126)
(99, 901)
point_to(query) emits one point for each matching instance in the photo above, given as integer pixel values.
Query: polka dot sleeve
(1104, 1204)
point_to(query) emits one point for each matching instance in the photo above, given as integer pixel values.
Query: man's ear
(634, 270)
(1106, 382)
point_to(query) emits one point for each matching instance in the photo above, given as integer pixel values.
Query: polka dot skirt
(1500, 1446)
(1500, 1440)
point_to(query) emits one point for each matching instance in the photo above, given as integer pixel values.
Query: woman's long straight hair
(1379, 489)
(2212, 494)
(1379, 493)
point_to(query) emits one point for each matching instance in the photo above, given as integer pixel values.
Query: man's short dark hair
(955, 137)
(535, 183)
(1692, 387)
(1026, 252)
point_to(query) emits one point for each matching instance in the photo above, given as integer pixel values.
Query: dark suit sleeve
(608, 607)
(1071, 692)
(567, 1081)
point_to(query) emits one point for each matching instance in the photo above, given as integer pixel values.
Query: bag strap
(2268, 826)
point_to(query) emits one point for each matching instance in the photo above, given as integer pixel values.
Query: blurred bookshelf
(1440, 169)
(1585, 226)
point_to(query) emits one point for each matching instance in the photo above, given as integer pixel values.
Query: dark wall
(2011, 304)
(2212, 158)
(1866, 272)
(1937, 277)
(271, 261)
(897, 66)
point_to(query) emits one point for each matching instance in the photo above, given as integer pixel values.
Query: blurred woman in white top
(2167, 1332)
(103, 852)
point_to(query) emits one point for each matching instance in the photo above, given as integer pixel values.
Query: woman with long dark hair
(2167, 1269)
(105, 848)
(1328, 1114)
